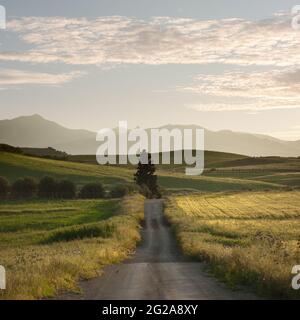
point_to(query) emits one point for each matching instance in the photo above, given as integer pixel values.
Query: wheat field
(250, 238)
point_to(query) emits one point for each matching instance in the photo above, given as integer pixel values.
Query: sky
(221, 64)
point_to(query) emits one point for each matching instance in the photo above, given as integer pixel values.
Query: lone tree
(145, 177)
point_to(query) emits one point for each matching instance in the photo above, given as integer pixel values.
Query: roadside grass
(248, 238)
(51, 248)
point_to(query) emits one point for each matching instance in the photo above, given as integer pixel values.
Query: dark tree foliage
(24, 188)
(48, 188)
(119, 191)
(92, 191)
(4, 188)
(11, 149)
(146, 179)
(66, 189)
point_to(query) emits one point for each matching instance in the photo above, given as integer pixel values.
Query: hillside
(13, 166)
(37, 132)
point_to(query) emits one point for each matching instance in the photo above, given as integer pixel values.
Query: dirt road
(157, 271)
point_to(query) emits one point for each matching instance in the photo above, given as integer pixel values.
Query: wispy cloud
(13, 77)
(273, 89)
(291, 134)
(162, 40)
(115, 40)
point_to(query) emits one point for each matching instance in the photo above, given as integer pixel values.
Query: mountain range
(36, 132)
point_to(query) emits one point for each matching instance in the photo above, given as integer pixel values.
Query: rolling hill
(13, 166)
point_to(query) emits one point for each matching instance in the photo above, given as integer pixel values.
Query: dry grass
(248, 238)
(43, 270)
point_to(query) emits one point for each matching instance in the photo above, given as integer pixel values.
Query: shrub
(47, 188)
(4, 188)
(80, 232)
(66, 189)
(119, 191)
(92, 191)
(24, 188)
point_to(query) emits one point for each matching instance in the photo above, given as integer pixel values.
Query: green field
(13, 166)
(250, 238)
(47, 247)
(171, 177)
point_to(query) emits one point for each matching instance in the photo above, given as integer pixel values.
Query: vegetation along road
(157, 271)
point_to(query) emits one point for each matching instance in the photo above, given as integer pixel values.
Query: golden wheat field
(250, 238)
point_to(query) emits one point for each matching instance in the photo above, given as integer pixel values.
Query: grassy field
(177, 181)
(212, 159)
(244, 222)
(250, 238)
(13, 166)
(47, 247)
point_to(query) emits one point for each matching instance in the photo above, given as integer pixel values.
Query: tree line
(50, 188)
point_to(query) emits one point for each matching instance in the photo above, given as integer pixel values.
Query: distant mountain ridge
(36, 132)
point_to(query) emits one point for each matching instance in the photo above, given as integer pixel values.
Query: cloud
(161, 40)
(273, 89)
(289, 135)
(114, 40)
(13, 77)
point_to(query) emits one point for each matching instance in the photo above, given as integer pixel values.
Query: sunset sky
(221, 64)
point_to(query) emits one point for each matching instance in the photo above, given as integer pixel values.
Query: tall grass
(247, 238)
(50, 260)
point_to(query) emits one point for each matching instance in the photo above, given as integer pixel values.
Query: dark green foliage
(80, 232)
(66, 189)
(48, 188)
(119, 191)
(92, 191)
(24, 188)
(4, 188)
(11, 149)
